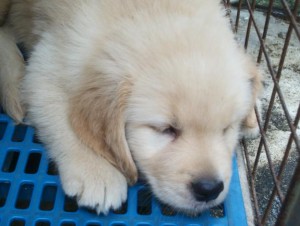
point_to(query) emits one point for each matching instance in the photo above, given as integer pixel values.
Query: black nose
(206, 190)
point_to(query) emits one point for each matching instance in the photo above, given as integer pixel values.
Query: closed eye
(226, 129)
(166, 130)
(171, 131)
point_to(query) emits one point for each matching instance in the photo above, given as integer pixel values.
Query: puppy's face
(170, 104)
(182, 124)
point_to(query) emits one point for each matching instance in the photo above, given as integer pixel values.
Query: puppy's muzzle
(205, 190)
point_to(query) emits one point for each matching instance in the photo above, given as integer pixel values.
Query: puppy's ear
(97, 117)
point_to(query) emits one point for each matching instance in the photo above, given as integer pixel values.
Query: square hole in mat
(93, 224)
(24, 196)
(52, 169)
(19, 133)
(47, 201)
(3, 126)
(118, 224)
(17, 222)
(4, 189)
(10, 161)
(70, 204)
(122, 209)
(144, 202)
(42, 223)
(33, 163)
(68, 223)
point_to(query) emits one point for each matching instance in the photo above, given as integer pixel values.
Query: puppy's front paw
(95, 183)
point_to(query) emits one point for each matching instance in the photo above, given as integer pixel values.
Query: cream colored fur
(116, 86)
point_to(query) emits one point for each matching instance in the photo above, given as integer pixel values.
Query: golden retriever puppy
(120, 87)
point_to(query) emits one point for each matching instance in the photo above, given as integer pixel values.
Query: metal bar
(292, 15)
(284, 51)
(279, 92)
(287, 40)
(281, 169)
(272, 99)
(289, 214)
(250, 8)
(252, 183)
(238, 16)
(266, 27)
(271, 166)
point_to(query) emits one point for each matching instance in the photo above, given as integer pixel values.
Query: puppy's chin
(191, 207)
(179, 197)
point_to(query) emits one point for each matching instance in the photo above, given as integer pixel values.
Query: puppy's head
(183, 122)
(180, 123)
(172, 108)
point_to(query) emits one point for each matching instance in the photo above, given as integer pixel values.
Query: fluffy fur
(116, 86)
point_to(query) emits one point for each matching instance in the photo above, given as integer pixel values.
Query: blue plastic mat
(31, 194)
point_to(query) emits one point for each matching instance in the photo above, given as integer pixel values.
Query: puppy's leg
(87, 176)
(11, 72)
(84, 174)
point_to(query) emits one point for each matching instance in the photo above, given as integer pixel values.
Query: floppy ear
(97, 117)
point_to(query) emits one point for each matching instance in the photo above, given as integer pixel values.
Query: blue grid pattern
(31, 194)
